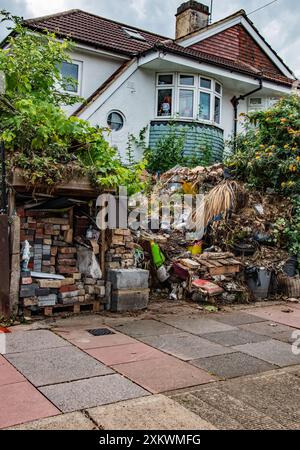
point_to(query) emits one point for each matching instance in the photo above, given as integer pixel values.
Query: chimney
(191, 16)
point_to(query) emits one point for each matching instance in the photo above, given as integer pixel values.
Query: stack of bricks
(52, 252)
(120, 252)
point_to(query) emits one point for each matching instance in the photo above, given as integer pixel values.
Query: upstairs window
(70, 71)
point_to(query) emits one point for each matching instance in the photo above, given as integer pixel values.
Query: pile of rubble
(236, 257)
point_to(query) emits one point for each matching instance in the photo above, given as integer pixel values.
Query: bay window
(188, 96)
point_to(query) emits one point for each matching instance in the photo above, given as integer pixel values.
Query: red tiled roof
(93, 30)
(89, 29)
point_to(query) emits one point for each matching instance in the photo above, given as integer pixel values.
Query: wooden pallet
(220, 266)
(75, 308)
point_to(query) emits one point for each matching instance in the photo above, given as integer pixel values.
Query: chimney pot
(191, 16)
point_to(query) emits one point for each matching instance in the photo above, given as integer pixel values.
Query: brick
(46, 263)
(28, 291)
(70, 288)
(100, 291)
(47, 242)
(66, 269)
(26, 280)
(48, 269)
(54, 251)
(55, 284)
(30, 301)
(81, 298)
(49, 300)
(56, 221)
(58, 243)
(90, 289)
(48, 229)
(68, 295)
(32, 226)
(21, 212)
(31, 220)
(42, 292)
(55, 233)
(77, 276)
(66, 256)
(100, 283)
(68, 236)
(67, 250)
(89, 298)
(90, 281)
(119, 232)
(65, 227)
(67, 262)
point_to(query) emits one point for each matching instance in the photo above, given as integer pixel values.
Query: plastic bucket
(258, 280)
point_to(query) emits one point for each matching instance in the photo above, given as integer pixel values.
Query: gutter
(235, 103)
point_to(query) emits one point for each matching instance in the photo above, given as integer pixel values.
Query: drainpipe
(235, 103)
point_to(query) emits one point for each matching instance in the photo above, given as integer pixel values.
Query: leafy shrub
(268, 156)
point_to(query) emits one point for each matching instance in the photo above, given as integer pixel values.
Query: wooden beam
(4, 267)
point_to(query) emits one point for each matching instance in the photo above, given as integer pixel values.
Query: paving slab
(186, 346)
(21, 402)
(226, 410)
(277, 394)
(8, 374)
(148, 327)
(233, 365)
(82, 339)
(120, 354)
(234, 337)
(272, 351)
(155, 412)
(195, 325)
(277, 314)
(164, 374)
(93, 392)
(57, 365)
(271, 329)
(25, 341)
(70, 421)
(236, 318)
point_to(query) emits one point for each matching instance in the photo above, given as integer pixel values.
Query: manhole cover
(100, 332)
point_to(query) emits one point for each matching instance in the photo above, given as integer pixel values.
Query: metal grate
(100, 332)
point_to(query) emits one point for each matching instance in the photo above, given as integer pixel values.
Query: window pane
(186, 103)
(69, 70)
(164, 107)
(165, 79)
(217, 116)
(218, 88)
(115, 121)
(205, 83)
(204, 110)
(187, 80)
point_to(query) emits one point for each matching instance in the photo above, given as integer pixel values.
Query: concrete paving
(139, 328)
(97, 391)
(163, 374)
(186, 346)
(33, 340)
(120, 354)
(70, 421)
(109, 381)
(156, 412)
(198, 325)
(289, 316)
(233, 365)
(57, 365)
(234, 337)
(272, 351)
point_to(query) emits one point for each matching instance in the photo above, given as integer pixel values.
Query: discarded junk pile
(232, 256)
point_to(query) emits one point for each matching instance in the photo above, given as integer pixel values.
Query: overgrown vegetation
(268, 157)
(39, 137)
(268, 154)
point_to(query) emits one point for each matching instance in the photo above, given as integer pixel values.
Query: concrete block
(90, 281)
(133, 300)
(28, 291)
(47, 300)
(63, 295)
(128, 278)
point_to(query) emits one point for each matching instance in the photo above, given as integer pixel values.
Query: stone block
(67, 250)
(128, 279)
(28, 291)
(129, 300)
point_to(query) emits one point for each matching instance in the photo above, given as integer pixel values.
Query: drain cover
(100, 332)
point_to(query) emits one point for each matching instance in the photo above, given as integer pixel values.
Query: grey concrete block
(128, 278)
(132, 300)
(28, 291)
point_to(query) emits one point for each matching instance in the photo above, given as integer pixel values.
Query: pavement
(173, 371)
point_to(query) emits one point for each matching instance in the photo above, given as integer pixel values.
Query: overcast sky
(279, 22)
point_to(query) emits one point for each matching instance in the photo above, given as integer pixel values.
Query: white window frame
(117, 111)
(176, 86)
(80, 72)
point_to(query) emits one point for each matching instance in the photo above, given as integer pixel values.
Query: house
(201, 81)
